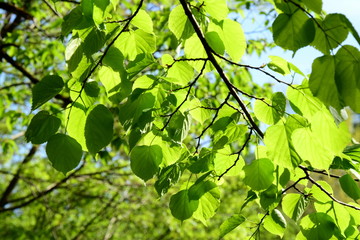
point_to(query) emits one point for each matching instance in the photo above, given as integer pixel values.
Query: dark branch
(48, 190)
(218, 68)
(325, 191)
(16, 177)
(18, 11)
(212, 122)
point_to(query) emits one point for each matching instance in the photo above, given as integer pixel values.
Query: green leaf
(167, 177)
(338, 213)
(63, 152)
(215, 42)
(179, 24)
(144, 82)
(230, 224)
(321, 142)
(208, 195)
(204, 163)
(145, 161)
(216, 8)
(76, 124)
(200, 187)
(98, 128)
(302, 101)
(293, 31)
(294, 205)
(71, 21)
(319, 194)
(279, 145)
(275, 223)
(314, 5)
(350, 187)
(42, 127)
(233, 38)
(224, 159)
(351, 28)
(181, 206)
(180, 73)
(317, 226)
(100, 10)
(347, 73)
(269, 198)
(193, 48)
(136, 110)
(332, 33)
(271, 111)
(136, 42)
(259, 174)
(88, 95)
(232, 133)
(143, 21)
(45, 90)
(279, 65)
(322, 81)
(179, 126)
(353, 152)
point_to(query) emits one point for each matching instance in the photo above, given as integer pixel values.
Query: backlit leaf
(45, 90)
(63, 152)
(293, 31)
(350, 187)
(230, 224)
(98, 128)
(259, 174)
(42, 126)
(145, 161)
(181, 206)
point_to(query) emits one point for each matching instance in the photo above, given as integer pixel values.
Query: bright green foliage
(270, 112)
(294, 205)
(64, 152)
(162, 93)
(275, 223)
(230, 224)
(259, 174)
(45, 90)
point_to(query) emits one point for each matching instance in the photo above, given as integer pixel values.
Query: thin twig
(238, 155)
(325, 191)
(186, 97)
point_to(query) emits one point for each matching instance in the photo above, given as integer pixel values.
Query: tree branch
(218, 68)
(238, 154)
(325, 191)
(16, 177)
(18, 11)
(34, 80)
(48, 190)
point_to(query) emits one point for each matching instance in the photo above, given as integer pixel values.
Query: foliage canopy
(116, 94)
